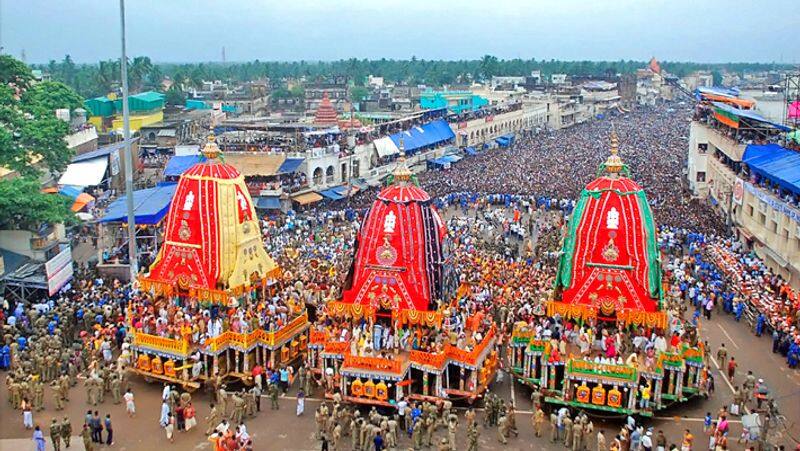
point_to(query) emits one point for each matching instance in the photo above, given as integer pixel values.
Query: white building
(763, 215)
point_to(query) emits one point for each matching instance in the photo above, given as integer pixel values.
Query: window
(773, 227)
(356, 168)
(318, 176)
(701, 176)
(762, 206)
(749, 210)
(762, 218)
(702, 148)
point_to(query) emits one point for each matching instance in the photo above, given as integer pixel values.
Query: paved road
(282, 430)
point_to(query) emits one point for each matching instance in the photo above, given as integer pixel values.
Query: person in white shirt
(130, 407)
(647, 441)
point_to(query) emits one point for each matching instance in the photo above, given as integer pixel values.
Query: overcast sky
(196, 30)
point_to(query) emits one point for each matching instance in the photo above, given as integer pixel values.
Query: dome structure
(610, 266)
(399, 257)
(212, 238)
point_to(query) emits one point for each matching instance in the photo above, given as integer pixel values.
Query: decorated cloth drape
(610, 266)
(398, 258)
(212, 240)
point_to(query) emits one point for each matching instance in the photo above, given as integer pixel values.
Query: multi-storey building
(734, 163)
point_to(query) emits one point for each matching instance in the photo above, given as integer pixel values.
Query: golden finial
(614, 163)
(211, 149)
(401, 172)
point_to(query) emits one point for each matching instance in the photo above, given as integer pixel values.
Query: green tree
(717, 77)
(31, 136)
(358, 93)
(138, 71)
(175, 96)
(50, 96)
(24, 206)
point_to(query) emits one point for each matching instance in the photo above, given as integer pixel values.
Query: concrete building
(521, 116)
(455, 101)
(600, 96)
(506, 82)
(741, 176)
(564, 110)
(335, 86)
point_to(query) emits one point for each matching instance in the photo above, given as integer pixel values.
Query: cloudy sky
(196, 30)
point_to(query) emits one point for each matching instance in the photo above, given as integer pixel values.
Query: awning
(432, 133)
(471, 151)
(307, 198)
(440, 162)
(268, 203)
(385, 147)
(730, 116)
(191, 149)
(452, 158)
(85, 173)
(103, 151)
(332, 194)
(149, 205)
(290, 165)
(253, 164)
(177, 165)
(82, 201)
(70, 191)
(775, 163)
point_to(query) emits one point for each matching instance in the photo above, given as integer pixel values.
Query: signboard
(776, 204)
(114, 162)
(738, 191)
(59, 270)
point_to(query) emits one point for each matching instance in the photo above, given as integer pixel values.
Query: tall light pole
(126, 133)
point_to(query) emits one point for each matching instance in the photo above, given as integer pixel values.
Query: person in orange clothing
(688, 438)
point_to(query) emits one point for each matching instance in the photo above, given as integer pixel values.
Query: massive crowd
(506, 233)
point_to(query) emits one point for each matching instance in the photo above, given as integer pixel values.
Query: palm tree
(138, 70)
(106, 75)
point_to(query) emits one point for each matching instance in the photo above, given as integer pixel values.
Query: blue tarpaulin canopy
(775, 163)
(177, 165)
(290, 165)
(435, 132)
(71, 191)
(471, 151)
(268, 203)
(505, 140)
(451, 158)
(149, 205)
(332, 194)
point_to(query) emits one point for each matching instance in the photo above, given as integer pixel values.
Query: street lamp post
(126, 133)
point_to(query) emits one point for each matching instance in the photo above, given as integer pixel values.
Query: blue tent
(451, 158)
(775, 163)
(505, 140)
(290, 165)
(71, 191)
(471, 151)
(332, 194)
(432, 133)
(149, 205)
(177, 165)
(268, 203)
